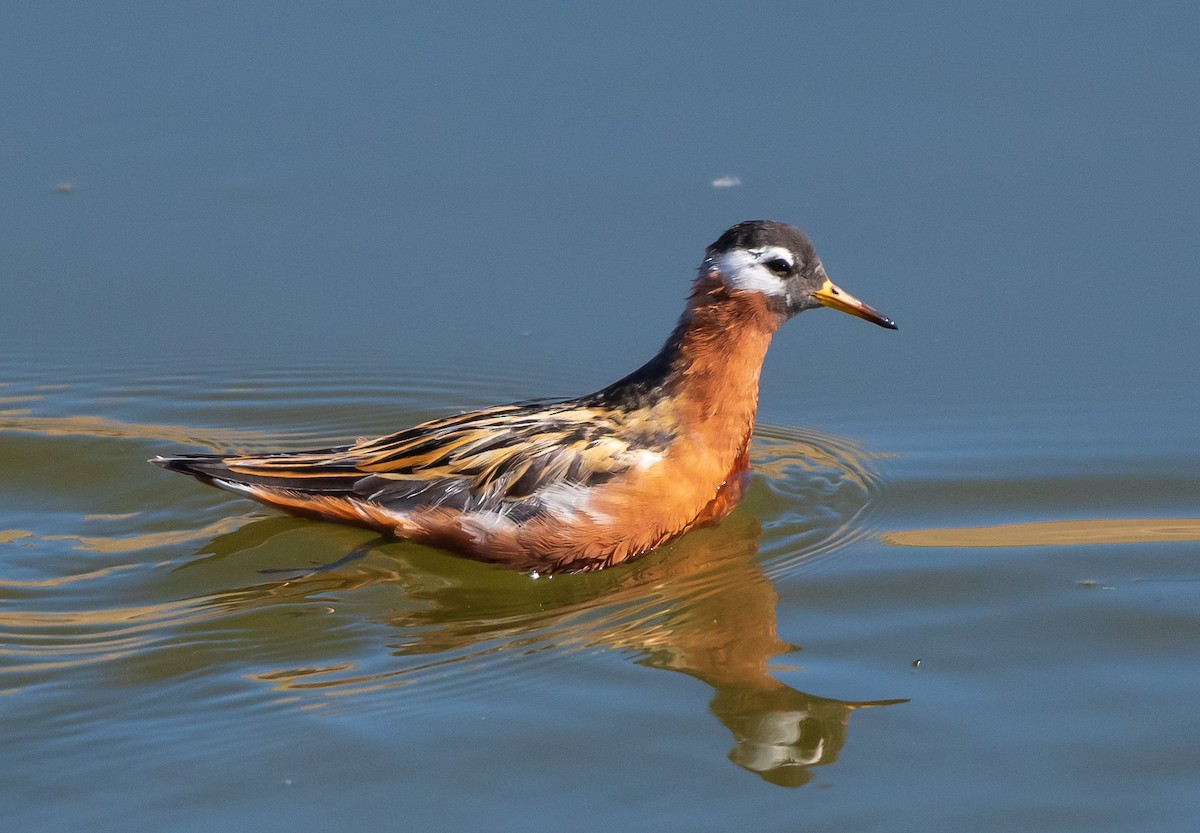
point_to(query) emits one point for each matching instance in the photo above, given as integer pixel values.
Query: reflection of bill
(701, 606)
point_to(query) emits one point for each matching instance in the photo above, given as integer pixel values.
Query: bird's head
(778, 261)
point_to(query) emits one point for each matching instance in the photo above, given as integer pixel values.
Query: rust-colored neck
(717, 351)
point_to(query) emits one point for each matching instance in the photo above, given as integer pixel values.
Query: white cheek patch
(743, 269)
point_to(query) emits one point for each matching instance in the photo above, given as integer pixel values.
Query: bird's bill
(834, 297)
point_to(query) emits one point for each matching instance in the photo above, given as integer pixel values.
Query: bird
(579, 484)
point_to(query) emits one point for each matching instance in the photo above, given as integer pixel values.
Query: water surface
(832, 629)
(961, 593)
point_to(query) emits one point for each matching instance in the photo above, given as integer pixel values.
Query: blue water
(961, 592)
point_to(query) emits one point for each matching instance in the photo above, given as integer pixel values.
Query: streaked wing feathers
(475, 461)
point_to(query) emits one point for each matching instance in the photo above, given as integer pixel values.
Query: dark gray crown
(758, 234)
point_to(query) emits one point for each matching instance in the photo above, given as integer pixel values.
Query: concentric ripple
(819, 491)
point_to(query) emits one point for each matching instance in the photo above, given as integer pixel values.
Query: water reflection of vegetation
(702, 607)
(99, 426)
(1053, 533)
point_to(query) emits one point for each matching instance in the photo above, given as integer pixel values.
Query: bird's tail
(305, 472)
(203, 467)
(309, 484)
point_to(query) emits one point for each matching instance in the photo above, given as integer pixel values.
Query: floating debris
(727, 182)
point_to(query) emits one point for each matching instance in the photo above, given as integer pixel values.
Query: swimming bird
(575, 484)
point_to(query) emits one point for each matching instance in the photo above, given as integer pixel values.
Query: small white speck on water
(534, 574)
(727, 182)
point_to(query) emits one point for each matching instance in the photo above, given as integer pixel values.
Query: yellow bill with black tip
(834, 297)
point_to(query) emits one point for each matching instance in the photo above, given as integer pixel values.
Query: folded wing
(499, 459)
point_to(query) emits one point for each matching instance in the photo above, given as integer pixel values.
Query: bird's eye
(779, 266)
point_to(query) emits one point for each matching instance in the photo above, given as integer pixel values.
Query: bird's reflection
(701, 606)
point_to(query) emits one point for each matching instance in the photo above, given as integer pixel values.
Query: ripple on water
(820, 490)
(161, 579)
